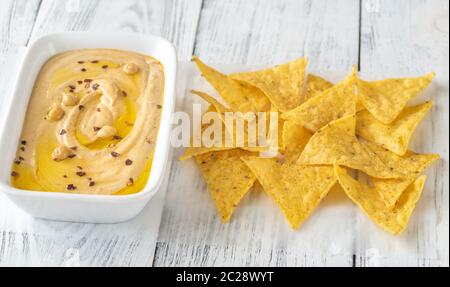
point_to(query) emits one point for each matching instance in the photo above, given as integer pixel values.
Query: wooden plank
(28, 241)
(258, 32)
(16, 23)
(401, 38)
(175, 20)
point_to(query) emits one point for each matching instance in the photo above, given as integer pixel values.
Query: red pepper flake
(149, 141)
(17, 162)
(80, 173)
(94, 62)
(23, 142)
(89, 178)
(80, 62)
(114, 154)
(65, 175)
(14, 173)
(99, 110)
(80, 107)
(91, 183)
(87, 80)
(72, 156)
(124, 93)
(72, 87)
(83, 70)
(130, 181)
(95, 86)
(79, 82)
(96, 129)
(105, 67)
(116, 137)
(22, 148)
(158, 106)
(62, 132)
(73, 148)
(21, 158)
(128, 162)
(71, 187)
(79, 167)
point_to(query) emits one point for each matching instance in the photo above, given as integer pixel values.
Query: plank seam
(194, 48)
(38, 9)
(359, 34)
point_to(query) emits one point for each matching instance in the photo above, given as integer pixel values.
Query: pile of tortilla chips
(354, 134)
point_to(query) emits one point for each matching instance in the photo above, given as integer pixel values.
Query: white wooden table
(395, 37)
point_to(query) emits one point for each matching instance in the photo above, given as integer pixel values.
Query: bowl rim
(151, 187)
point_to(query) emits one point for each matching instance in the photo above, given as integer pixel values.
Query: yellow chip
(385, 99)
(239, 96)
(396, 135)
(369, 200)
(294, 139)
(227, 177)
(297, 190)
(334, 103)
(315, 85)
(337, 143)
(282, 84)
(409, 165)
(391, 189)
(231, 129)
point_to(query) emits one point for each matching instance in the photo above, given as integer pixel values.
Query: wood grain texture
(265, 32)
(17, 19)
(401, 38)
(259, 32)
(31, 242)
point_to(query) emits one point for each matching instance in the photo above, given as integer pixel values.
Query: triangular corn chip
(391, 189)
(396, 135)
(337, 143)
(385, 99)
(227, 177)
(239, 96)
(192, 150)
(409, 165)
(294, 138)
(369, 200)
(282, 84)
(297, 190)
(315, 85)
(232, 130)
(334, 103)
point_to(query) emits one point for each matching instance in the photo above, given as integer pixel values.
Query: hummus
(91, 123)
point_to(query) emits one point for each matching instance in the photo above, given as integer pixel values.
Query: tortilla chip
(395, 136)
(390, 190)
(227, 177)
(369, 200)
(221, 109)
(192, 151)
(315, 85)
(239, 96)
(334, 103)
(409, 165)
(282, 84)
(294, 138)
(385, 99)
(296, 189)
(337, 143)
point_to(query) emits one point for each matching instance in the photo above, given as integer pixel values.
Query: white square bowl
(82, 207)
